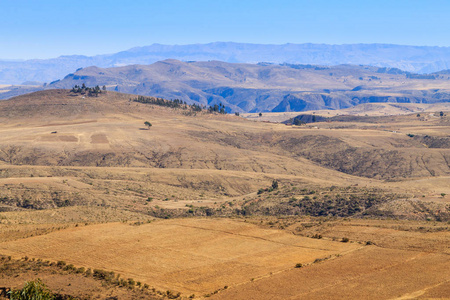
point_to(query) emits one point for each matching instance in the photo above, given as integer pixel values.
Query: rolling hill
(207, 205)
(57, 128)
(266, 87)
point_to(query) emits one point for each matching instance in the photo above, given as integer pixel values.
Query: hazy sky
(50, 28)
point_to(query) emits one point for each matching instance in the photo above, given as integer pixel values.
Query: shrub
(299, 265)
(172, 295)
(274, 184)
(69, 268)
(345, 240)
(32, 290)
(131, 281)
(61, 263)
(123, 282)
(103, 275)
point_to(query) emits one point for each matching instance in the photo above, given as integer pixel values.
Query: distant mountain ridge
(266, 87)
(417, 59)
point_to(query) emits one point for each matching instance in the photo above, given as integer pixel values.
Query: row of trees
(177, 103)
(91, 92)
(217, 108)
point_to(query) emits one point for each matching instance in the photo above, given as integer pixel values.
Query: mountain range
(266, 87)
(417, 59)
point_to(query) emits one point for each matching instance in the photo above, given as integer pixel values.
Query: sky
(51, 28)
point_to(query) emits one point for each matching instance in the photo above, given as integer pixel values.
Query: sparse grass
(100, 168)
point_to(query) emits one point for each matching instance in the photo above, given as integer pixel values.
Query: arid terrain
(206, 205)
(266, 87)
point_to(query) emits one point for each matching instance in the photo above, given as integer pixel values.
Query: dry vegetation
(220, 206)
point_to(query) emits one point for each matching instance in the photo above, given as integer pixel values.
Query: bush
(103, 275)
(345, 240)
(274, 184)
(33, 290)
(69, 268)
(299, 265)
(61, 263)
(172, 295)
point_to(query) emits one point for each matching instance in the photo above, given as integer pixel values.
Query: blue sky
(48, 28)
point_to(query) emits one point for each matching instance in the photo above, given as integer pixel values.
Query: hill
(217, 155)
(202, 204)
(266, 87)
(416, 59)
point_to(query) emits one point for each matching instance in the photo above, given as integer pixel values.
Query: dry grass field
(368, 109)
(192, 256)
(382, 260)
(201, 201)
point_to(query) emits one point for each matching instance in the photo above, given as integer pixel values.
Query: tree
(148, 124)
(260, 114)
(441, 113)
(104, 88)
(298, 122)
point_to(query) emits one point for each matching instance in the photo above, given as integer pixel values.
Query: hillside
(266, 87)
(416, 59)
(60, 129)
(207, 205)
